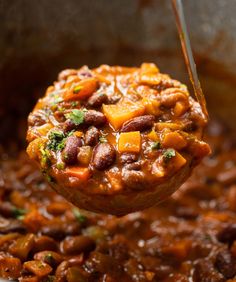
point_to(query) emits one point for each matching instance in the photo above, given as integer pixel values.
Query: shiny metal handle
(188, 55)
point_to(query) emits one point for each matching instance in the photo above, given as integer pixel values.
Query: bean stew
(189, 237)
(112, 139)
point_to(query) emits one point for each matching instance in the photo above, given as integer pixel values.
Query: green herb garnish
(76, 116)
(156, 145)
(50, 278)
(74, 104)
(169, 154)
(56, 141)
(60, 166)
(77, 89)
(45, 157)
(49, 258)
(19, 213)
(79, 216)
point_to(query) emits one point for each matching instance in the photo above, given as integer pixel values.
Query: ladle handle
(188, 55)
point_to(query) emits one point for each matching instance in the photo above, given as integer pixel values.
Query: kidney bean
(102, 263)
(104, 155)
(77, 244)
(42, 243)
(205, 269)
(37, 118)
(12, 225)
(70, 151)
(49, 257)
(68, 126)
(91, 136)
(133, 179)
(227, 177)
(95, 118)
(127, 158)
(226, 264)
(60, 230)
(75, 274)
(228, 234)
(141, 123)
(97, 99)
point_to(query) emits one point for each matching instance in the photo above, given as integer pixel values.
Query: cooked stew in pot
(116, 139)
(189, 237)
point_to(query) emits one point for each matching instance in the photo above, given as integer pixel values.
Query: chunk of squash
(81, 90)
(119, 113)
(174, 140)
(129, 142)
(82, 173)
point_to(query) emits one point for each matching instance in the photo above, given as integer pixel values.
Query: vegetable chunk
(129, 142)
(120, 113)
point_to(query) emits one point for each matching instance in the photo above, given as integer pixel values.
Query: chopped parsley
(45, 157)
(19, 213)
(156, 145)
(60, 166)
(49, 258)
(169, 154)
(77, 89)
(76, 116)
(56, 141)
(79, 216)
(74, 103)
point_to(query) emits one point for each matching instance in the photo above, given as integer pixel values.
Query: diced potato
(153, 136)
(81, 90)
(82, 173)
(129, 142)
(120, 113)
(151, 106)
(174, 140)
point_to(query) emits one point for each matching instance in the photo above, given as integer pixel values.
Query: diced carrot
(174, 140)
(120, 113)
(78, 133)
(38, 268)
(81, 90)
(129, 142)
(82, 173)
(151, 106)
(153, 135)
(10, 268)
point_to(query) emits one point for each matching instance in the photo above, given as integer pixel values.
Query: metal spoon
(188, 55)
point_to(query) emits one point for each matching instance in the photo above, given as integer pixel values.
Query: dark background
(40, 38)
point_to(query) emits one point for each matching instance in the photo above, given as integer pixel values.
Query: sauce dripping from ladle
(188, 55)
